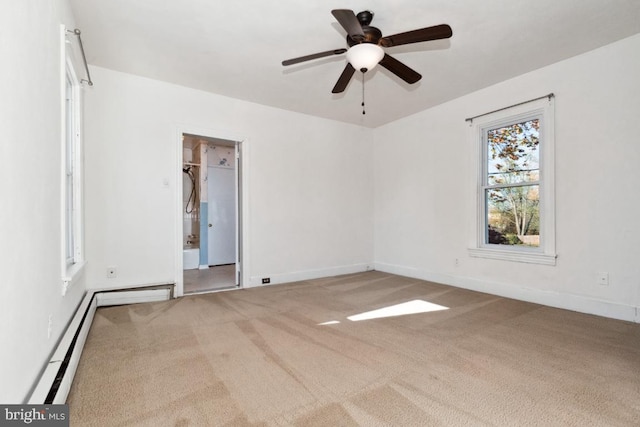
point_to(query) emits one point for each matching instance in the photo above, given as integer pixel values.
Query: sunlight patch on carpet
(411, 307)
(330, 322)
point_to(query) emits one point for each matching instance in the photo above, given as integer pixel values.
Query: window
(514, 188)
(72, 214)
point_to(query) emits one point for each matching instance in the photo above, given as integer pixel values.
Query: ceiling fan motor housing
(371, 35)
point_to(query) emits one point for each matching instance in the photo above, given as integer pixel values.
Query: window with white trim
(72, 212)
(514, 187)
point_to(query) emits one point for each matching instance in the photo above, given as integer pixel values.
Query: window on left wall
(72, 177)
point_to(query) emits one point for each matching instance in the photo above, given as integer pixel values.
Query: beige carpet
(260, 357)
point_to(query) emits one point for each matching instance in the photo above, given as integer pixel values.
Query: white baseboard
(55, 382)
(132, 297)
(297, 276)
(565, 301)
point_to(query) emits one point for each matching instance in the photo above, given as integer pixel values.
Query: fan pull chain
(363, 112)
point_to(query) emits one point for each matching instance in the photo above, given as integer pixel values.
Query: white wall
(30, 176)
(310, 183)
(424, 206)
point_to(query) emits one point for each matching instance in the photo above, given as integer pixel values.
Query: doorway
(211, 227)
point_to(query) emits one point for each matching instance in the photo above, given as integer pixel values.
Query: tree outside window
(512, 184)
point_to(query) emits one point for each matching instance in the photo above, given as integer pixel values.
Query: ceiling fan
(366, 47)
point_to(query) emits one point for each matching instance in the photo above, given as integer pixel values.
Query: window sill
(72, 273)
(514, 255)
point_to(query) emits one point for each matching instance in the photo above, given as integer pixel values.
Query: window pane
(512, 153)
(513, 215)
(69, 159)
(69, 219)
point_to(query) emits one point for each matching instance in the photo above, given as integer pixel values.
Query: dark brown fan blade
(313, 56)
(344, 79)
(399, 69)
(349, 22)
(416, 36)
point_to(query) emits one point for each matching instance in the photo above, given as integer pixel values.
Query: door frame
(242, 214)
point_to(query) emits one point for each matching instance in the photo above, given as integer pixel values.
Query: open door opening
(211, 229)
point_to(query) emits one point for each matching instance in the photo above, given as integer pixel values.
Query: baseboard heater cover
(55, 382)
(132, 297)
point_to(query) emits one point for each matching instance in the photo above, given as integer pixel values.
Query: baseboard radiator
(55, 382)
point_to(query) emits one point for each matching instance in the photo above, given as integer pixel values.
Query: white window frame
(72, 213)
(542, 109)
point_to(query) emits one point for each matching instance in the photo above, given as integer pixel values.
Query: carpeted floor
(261, 357)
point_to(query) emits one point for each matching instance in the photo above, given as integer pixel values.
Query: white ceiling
(235, 47)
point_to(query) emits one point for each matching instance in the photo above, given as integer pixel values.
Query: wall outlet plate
(266, 280)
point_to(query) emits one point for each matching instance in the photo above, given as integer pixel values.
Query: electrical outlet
(112, 272)
(456, 262)
(266, 280)
(603, 278)
(49, 326)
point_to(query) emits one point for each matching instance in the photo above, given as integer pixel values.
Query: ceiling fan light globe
(364, 56)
